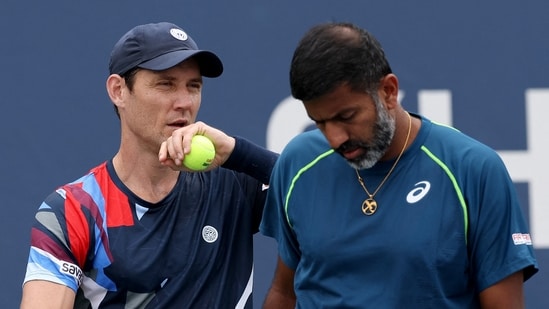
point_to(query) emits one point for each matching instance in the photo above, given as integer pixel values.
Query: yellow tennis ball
(201, 155)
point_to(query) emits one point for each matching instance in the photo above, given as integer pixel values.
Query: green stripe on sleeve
(456, 187)
(296, 177)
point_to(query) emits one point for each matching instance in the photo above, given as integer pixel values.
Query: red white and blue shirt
(193, 249)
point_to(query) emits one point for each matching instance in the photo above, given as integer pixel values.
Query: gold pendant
(369, 206)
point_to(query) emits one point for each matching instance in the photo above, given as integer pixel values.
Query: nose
(335, 134)
(185, 100)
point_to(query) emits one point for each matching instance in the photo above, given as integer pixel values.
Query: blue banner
(481, 66)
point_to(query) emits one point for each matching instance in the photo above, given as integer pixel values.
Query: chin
(361, 164)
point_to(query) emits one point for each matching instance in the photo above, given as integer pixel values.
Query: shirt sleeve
(499, 240)
(252, 160)
(275, 222)
(50, 256)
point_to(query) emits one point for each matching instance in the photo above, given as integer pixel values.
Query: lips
(351, 154)
(178, 123)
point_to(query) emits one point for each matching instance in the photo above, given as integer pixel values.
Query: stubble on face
(163, 101)
(383, 132)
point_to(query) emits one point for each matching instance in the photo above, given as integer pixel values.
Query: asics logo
(422, 188)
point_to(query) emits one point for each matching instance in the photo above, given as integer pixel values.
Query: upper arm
(281, 294)
(505, 294)
(45, 295)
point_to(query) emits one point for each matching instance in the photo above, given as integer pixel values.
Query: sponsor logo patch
(521, 239)
(71, 270)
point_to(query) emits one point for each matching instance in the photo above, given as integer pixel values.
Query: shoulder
(452, 142)
(306, 146)
(460, 153)
(306, 152)
(81, 189)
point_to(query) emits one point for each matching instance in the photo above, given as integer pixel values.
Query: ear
(388, 88)
(115, 88)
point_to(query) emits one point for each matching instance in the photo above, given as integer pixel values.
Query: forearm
(277, 300)
(252, 160)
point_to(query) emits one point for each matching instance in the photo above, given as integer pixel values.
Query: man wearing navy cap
(140, 230)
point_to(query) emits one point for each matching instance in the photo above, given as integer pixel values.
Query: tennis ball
(201, 155)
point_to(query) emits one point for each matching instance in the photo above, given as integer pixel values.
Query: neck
(144, 175)
(402, 139)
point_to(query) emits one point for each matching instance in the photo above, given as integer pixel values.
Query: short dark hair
(129, 77)
(333, 54)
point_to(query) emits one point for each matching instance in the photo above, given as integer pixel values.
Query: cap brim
(210, 64)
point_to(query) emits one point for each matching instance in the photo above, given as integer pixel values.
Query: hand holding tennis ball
(201, 155)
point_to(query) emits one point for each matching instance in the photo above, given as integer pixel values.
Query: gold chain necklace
(369, 206)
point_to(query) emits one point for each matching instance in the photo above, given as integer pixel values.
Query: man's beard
(384, 130)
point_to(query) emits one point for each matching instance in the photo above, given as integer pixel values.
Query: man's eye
(346, 116)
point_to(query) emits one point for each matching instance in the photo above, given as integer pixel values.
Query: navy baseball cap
(160, 46)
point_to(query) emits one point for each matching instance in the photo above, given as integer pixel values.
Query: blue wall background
(56, 120)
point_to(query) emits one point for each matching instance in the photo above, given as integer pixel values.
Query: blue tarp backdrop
(481, 66)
